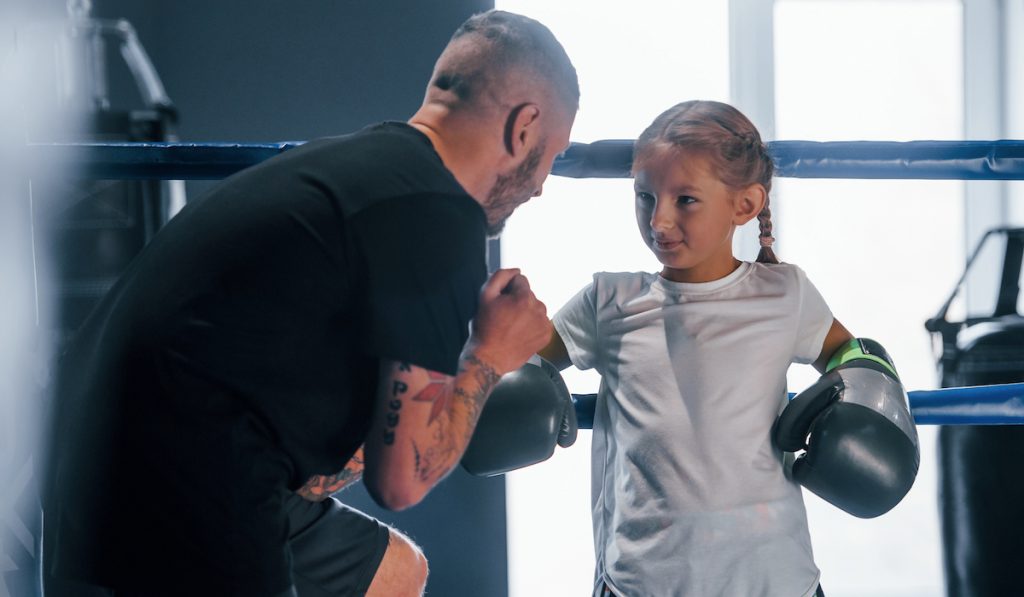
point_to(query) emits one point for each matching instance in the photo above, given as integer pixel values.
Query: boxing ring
(932, 160)
(928, 160)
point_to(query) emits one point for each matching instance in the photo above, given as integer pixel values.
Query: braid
(764, 220)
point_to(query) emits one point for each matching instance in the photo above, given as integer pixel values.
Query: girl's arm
(837, 336)
(555, 352)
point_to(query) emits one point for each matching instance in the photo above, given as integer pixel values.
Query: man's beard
(512, 190)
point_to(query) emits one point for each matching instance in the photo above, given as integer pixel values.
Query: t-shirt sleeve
(576, 324)
(423, 266)
(815, 320)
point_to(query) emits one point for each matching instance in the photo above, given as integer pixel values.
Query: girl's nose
(660, 217)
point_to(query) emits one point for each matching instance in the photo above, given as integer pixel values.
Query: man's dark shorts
(336, 550)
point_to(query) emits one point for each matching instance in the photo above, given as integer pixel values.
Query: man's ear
(522, 128)
(749, 202)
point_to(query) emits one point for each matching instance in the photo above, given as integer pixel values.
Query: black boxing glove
(860, 444)
(528, 413)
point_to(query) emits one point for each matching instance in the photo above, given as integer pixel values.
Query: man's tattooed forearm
(486, 378)
(320, 487)
(455, 406)
(484, 374)
(438, 393)
(472, 399)
(435, 461)
(474, 405)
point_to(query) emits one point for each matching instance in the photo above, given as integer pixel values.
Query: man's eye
(685, 200)
(644, 197)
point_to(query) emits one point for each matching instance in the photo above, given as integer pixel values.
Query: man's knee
(403, 571)
(410, 554)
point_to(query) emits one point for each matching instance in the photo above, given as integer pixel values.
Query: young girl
(689, 495)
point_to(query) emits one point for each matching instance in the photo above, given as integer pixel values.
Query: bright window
(884, 253)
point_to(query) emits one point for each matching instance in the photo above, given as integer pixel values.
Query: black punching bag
(981, 475)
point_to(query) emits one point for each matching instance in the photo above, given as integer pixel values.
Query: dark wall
(266, 70)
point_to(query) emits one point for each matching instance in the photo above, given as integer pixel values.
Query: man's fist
(510, 324)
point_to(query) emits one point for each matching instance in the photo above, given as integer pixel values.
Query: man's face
(527, 180)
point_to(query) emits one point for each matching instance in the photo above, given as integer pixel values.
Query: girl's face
(687, 215)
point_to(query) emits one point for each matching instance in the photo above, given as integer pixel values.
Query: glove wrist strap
(861, 348)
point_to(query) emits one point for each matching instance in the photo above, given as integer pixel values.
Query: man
(310, 316)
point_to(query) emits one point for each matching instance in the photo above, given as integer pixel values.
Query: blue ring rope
(933, 160)
(975, 405)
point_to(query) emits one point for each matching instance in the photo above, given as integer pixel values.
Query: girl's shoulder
(609, 288)
(777, 270)
(776, 278)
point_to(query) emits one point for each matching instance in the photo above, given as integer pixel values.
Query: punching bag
(981, 467)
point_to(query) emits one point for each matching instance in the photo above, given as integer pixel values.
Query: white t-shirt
(688, 494)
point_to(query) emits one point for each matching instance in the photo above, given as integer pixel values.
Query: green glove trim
(854, 350)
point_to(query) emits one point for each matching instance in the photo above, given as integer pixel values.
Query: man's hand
(511, 324)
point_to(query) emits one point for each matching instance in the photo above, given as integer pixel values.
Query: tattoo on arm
(319, 487)
(436, 460)
(394, 405)
(438, 393)
(486, 378)
(446, 398)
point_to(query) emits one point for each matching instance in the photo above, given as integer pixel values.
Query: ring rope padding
(929, 160)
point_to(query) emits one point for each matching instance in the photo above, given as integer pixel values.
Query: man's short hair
(503, 42)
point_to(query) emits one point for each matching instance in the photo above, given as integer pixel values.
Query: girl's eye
(685, 200)
(644, 197)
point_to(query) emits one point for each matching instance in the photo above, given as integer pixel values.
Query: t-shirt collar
(702, 287)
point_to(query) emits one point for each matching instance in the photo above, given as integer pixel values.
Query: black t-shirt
(284, 287)
(239, 353)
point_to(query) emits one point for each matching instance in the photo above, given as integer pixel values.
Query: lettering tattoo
(392, 417)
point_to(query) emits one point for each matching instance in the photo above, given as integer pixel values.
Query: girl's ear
(749, 202)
